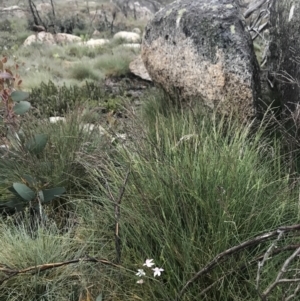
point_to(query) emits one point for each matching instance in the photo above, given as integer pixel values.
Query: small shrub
(82, 72)
(116, 63)
(81, 51)
(51, 100)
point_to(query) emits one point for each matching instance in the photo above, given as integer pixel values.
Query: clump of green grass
(81, 71)
(81, 51)
(197, 186)
(57, 165)
(115, 63)
(21, 250)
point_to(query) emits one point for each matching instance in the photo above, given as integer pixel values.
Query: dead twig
(43, 267)
(253, 261)
(222, 256)
(279, 279)
(117, 217)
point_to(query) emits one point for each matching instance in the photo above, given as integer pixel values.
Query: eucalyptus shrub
(31, 192)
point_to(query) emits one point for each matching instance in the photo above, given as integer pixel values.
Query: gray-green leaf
(24, 191)
(19, 96)
(37, 144)
(21, 107)
(52, 193)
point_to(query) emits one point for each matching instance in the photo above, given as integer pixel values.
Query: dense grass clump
(117, 62)
(49, 99)
(82, 72)
(197, 187)
(183, 187)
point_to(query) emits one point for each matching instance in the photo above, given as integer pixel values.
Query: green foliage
(33, 190)
(24, 191)
(20, 249)
(115, 63)
(197, 187)
(36, 144)
(51, 100)
(81, 72)
(12, 34)
(81, 51)
(29, 195)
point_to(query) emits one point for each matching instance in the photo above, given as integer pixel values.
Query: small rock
(137, 30)
(57, 119)
(89, 127)
(131, 45)
(129, 37)
(13, 11)
(95, 42)
(48, 38)
(96, 33)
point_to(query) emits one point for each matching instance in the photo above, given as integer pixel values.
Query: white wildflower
(140, 273)
(157, 271)
(148, 263)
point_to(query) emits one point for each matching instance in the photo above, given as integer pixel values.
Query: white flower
(157, 271)
(149, 263)
(140, 273)
(141, 281)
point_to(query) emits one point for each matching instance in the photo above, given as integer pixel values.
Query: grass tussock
(196, 188)
(182, 188)
(81, 72)
(115, 63)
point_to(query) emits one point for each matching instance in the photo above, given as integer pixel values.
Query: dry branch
(224, 255)
(43, 267)
(279, 278)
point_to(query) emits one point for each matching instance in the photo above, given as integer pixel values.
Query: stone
(96, 33)
(283, 65)
(44, 8)
(57, 119)
(41, 37)
(201, 51)
(12, 11)
(137, 30)
(136, 46)
(65, 38)
(127, 36)
(48, 38)
(138, 68)
(95, 42)
(138, 10)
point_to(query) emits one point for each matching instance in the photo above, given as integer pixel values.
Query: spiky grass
(197, 187)
(115, 63)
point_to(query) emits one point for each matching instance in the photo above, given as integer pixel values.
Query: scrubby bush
(51, 100)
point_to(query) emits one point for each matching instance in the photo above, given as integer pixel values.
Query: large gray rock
(201, 50)
(141, 9)
(283, 63)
